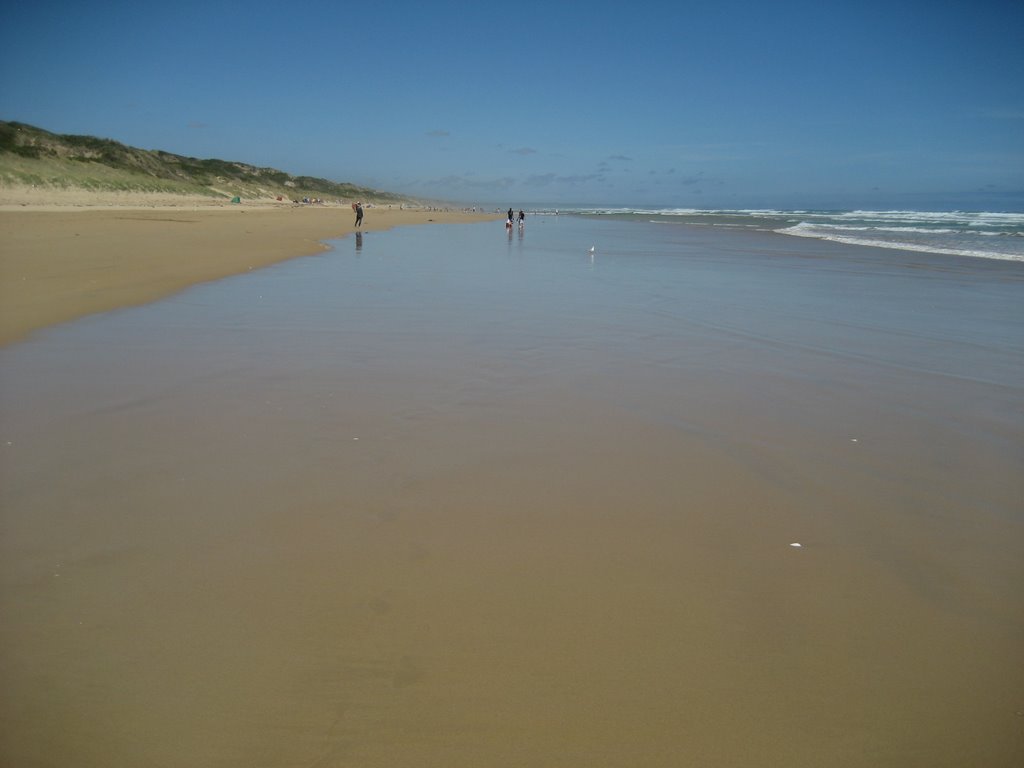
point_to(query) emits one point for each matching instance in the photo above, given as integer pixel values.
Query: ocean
(989, 235)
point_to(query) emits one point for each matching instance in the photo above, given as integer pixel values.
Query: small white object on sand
(796, 544)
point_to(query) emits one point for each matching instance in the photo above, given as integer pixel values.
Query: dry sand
(91, 254)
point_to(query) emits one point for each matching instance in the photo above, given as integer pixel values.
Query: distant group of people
(511, 219)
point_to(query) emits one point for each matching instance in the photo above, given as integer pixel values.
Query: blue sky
(688, 104)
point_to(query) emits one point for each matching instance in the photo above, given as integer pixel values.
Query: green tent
(236, 199)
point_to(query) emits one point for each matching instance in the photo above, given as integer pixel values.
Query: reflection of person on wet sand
(359, 241)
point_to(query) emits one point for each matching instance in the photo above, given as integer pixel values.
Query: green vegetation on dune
(68, 174)
(33, 156)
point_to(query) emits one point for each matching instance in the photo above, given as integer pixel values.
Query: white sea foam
(897, 245)
(852, 228)
(982, 234)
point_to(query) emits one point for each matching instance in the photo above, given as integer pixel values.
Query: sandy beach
(450, 496)
(92, 253)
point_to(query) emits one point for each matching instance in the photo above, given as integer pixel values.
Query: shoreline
(976, 235)
(62, 262)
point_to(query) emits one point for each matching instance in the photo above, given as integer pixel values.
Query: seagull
(591, 249)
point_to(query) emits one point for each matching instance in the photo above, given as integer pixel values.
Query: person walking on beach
(511, 216)
(359, 215)
(522, 218)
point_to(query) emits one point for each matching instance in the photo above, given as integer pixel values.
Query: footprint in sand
(407, 672)
(380, 605)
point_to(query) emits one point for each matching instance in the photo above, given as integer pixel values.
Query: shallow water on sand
(446, 497)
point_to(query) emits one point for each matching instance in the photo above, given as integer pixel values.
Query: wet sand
(441, 499)
(59, 263)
